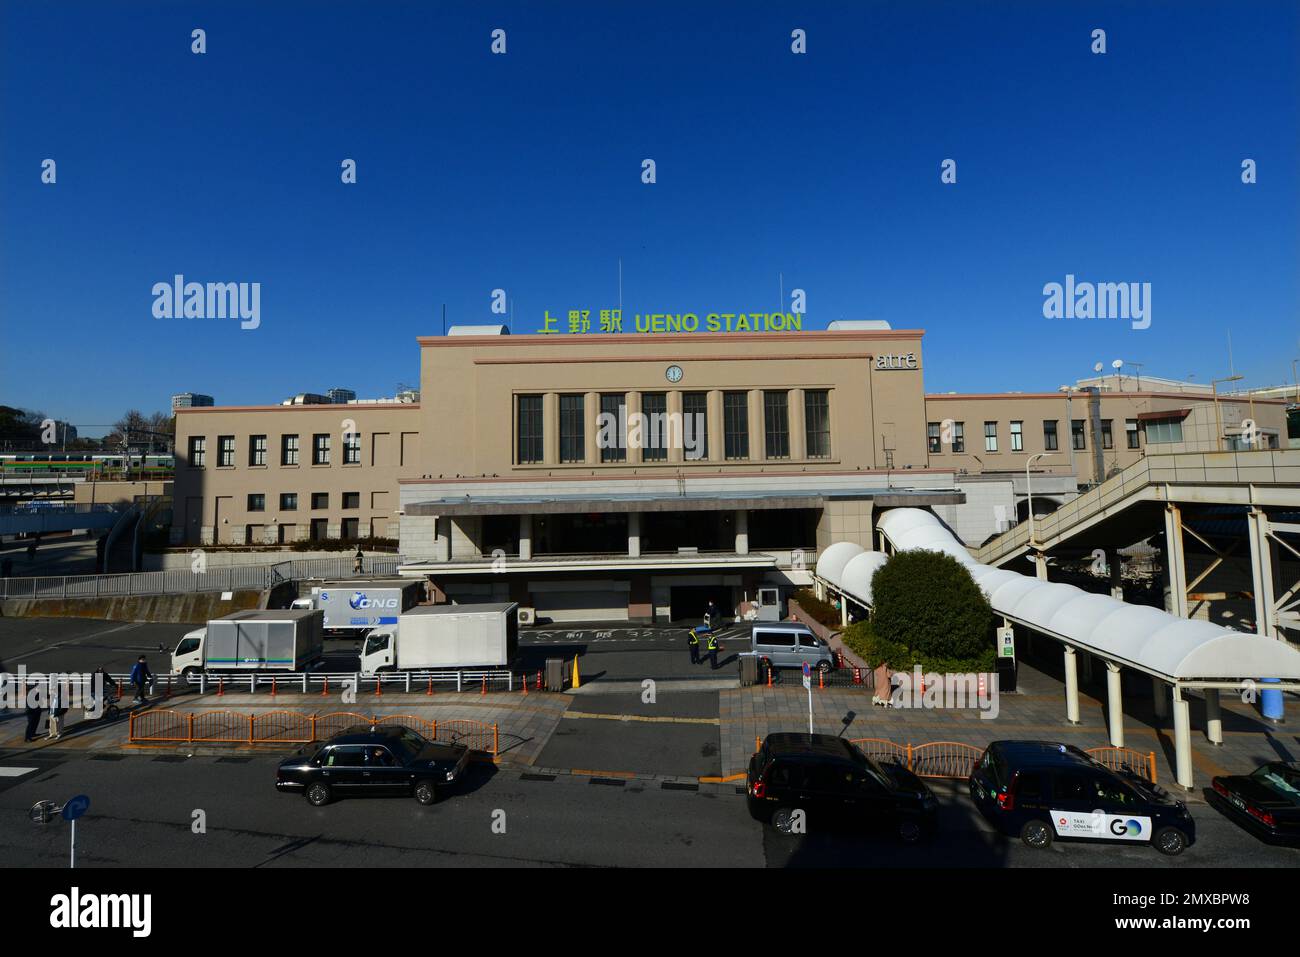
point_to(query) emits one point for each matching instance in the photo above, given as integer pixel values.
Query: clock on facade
(674, 373)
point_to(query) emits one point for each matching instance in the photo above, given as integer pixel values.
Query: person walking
(357, 561)
(57, 711)
(33, 720)
(713, 615)
(141, 677)
(713, 650)
(693, 642)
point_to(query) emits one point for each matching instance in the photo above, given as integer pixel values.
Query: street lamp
(1029, 492)
(1218, 418)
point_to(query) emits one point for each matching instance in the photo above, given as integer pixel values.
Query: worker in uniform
(713, 650)
(693, 642)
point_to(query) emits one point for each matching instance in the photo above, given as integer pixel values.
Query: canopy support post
(1213, 717)
(1071, 687)
(1182, 741)
(1115, 704)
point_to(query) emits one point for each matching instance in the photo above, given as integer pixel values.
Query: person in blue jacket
(141, 677)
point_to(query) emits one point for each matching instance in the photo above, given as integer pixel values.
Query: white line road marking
(6, 772)
(69, 641)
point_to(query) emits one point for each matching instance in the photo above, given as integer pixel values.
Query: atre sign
(891, 362)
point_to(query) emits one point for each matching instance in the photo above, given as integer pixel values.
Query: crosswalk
(11, 772)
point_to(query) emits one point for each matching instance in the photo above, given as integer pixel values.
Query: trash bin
(554, 674)
(748, 670)
(1006, 675)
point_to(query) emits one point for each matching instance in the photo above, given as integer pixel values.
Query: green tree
(928, 602)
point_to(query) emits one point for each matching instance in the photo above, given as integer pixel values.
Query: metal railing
(181, 581)
(167, 726)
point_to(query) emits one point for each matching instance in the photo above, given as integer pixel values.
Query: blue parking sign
(76, 807)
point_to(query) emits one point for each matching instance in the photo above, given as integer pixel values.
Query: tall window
(573, 442)
(990, 436)
(817, 423)
(959, 436)
(735, 424)
(933, 438)
(776, 424)
(320, 448)
(612, 432)
(654, 434)
(1131, 432)
(226, 450)
(529, 429)
(1107, 434)
(1077, 435)
(1049, 435)
(257, 450)
(695, 425)
(1017, 436)
(198, 451)
(352, 448)
(288, 450)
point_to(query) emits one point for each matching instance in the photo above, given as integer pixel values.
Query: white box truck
(355, 607)
(431, 637)
(288, 639)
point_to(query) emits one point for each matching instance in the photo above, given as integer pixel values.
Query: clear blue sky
(523, 171)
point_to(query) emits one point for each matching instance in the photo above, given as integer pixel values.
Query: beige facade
(280, 474)
(1091, 433)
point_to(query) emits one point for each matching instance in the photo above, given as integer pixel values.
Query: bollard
(221, 686)
(857, 675)
(539, 679)
(430, 691)
(167, 689)
(483, 691)
(821, 682)
(379, 685)
(325, 689)
(273, 687)
(769, 674)
(119, 687)
(524, 683)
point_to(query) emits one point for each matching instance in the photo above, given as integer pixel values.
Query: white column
(634, 534)
(525, 537)
(442, 539)
(1071, 687)
(821, 589)
(1261, 572)
(1040, 566)
(1174, 559)
(1213, 716)
(1182, 741)
(1160, 698)
(844, 610)
(742, 531)
(1115, 704)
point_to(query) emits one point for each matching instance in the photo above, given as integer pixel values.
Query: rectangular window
(352, 448)
(351, 500)
(226, 450)
(288, 450)
(959, 436)
(257, 450)
(320, 500)
(735, 424)
(776, 425)
(1131, 432)
(654, 434)
(198, 451)
(320, 449)
(1017, 436)
(350, 529)
(817, 423)
(1077, 435)
(612, 431)
(1049, 435)
(1162, 431)
(695, 425)
(990, 436)
(257, 502)
(529, 429)
(288, 501)
(573, 442)
(1107, 434)
(933, 438)
(319, 529)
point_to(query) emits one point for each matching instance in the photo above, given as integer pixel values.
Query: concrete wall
(108, 493)
(184, 609)
(169, 561)
(990, 508)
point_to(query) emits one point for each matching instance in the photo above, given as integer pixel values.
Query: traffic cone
(539, 680)
(821, 680)
(325, 689)
(483, 690)
(769, 676)
(273, 688)
(577, 682)
(430, 691)
(379, 686)
(221, 687)
(525, 684)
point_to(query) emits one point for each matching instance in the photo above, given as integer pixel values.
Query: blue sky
(522, 172)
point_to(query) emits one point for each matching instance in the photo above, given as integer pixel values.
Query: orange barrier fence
(294, 727)
(955, 759)
(1126, 759)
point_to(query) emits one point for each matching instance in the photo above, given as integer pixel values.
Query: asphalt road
(143, 812)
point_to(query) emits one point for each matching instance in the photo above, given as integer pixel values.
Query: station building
(637, 476)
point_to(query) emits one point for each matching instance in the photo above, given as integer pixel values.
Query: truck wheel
(189, 674)
(425, 793)
(1036, 834)
(1170, 841)
(318, 795)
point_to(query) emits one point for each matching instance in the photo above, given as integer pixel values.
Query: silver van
(788, 644)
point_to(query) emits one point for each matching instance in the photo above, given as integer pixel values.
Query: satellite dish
(1097, 367)
(1117, 364)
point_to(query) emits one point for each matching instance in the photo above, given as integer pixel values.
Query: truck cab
(187, 659)
(380, 651)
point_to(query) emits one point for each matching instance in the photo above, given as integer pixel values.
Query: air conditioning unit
(527, 616)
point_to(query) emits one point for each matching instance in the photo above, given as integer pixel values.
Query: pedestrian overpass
(1176, 653)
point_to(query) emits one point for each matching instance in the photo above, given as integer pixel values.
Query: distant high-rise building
(189, 400)
(340, 396)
